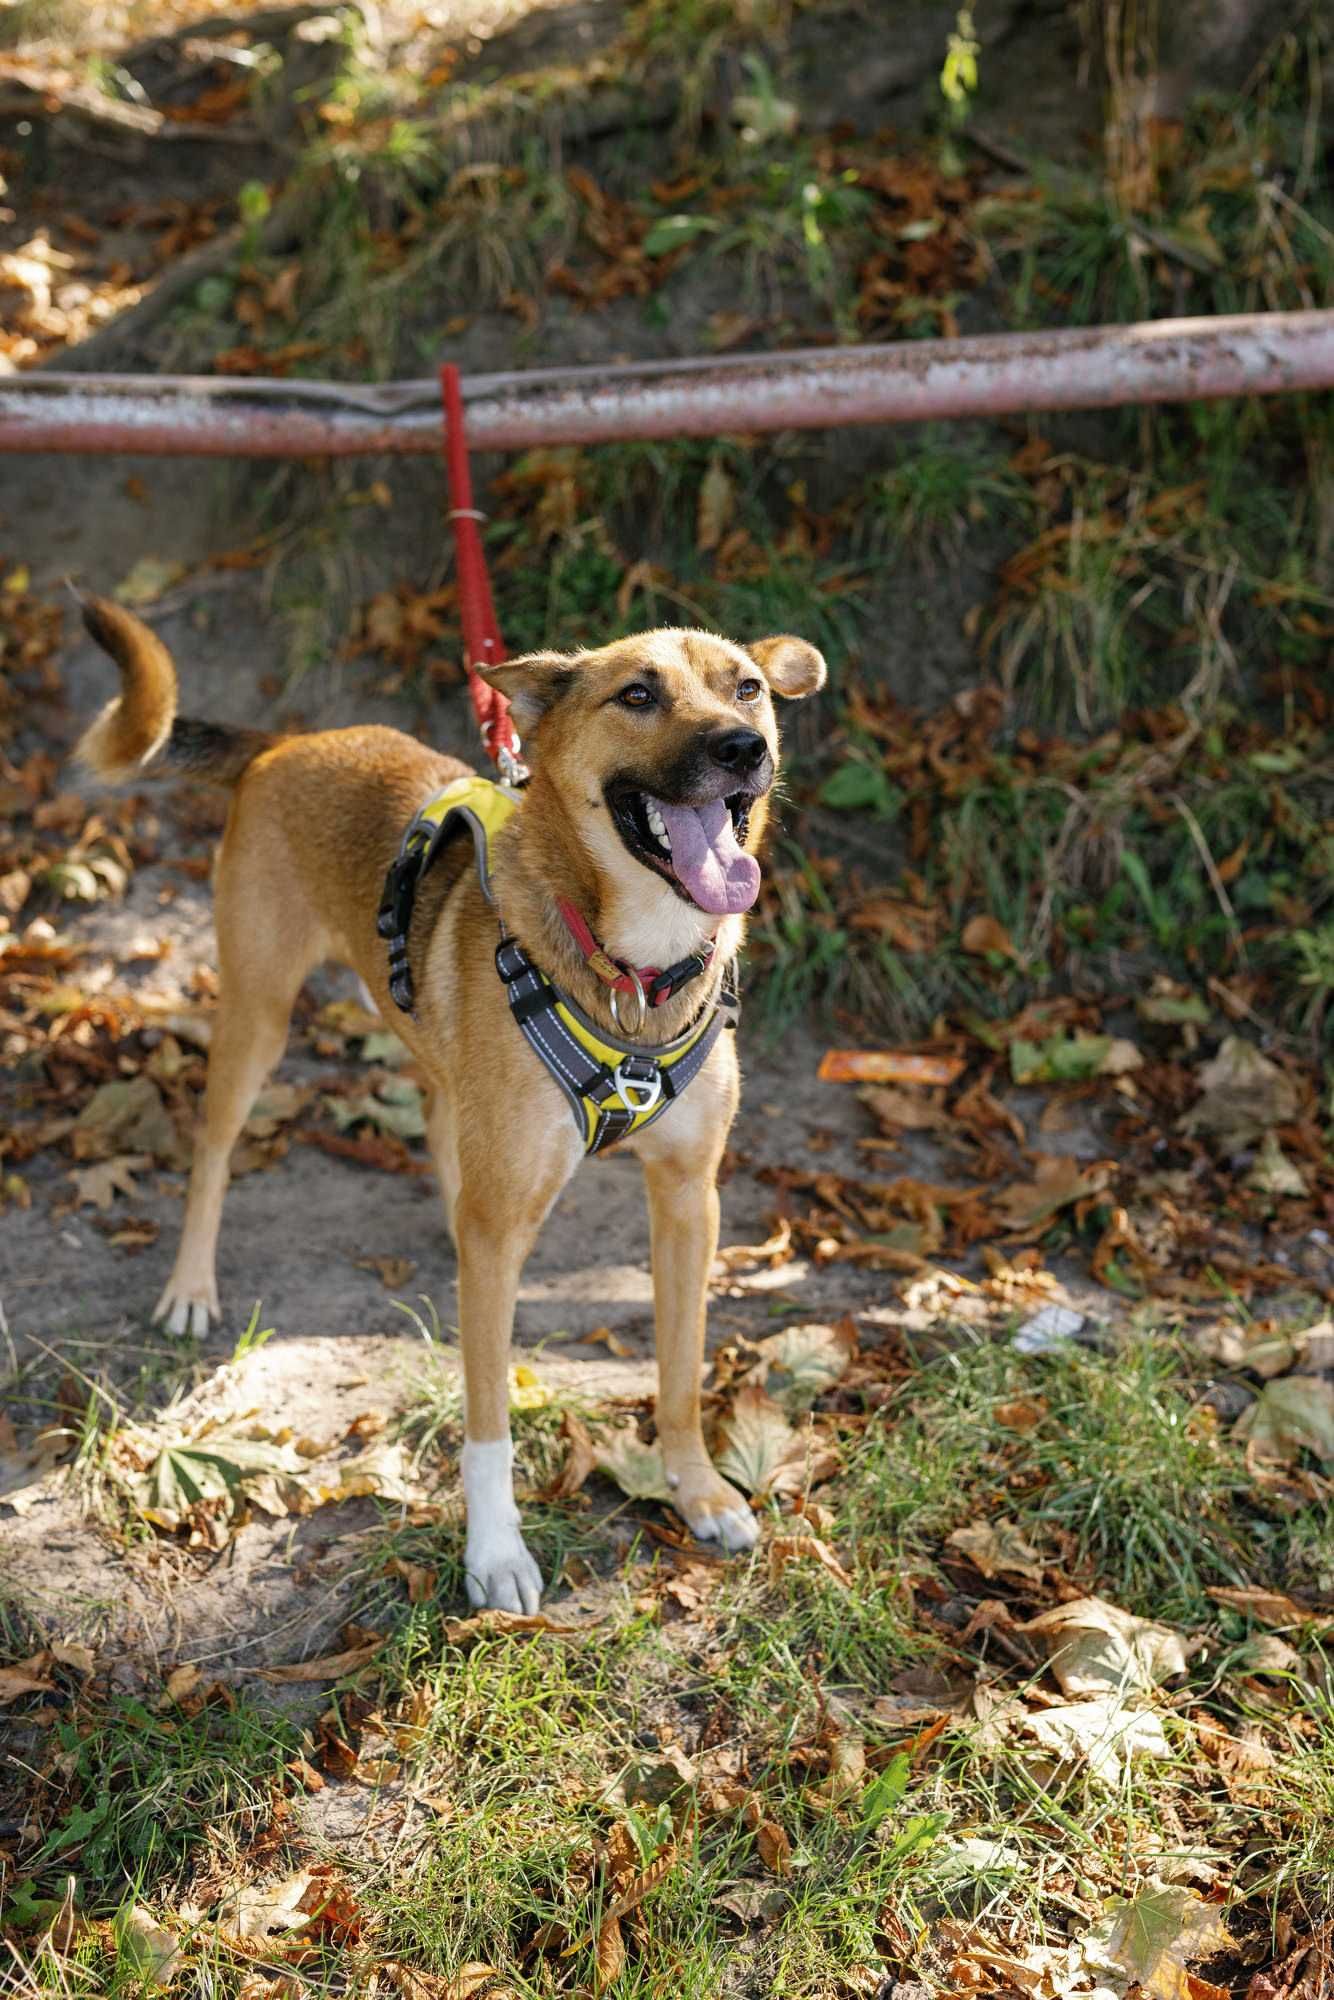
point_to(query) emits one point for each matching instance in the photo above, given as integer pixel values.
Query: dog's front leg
(495, 1224)
(683, 1222)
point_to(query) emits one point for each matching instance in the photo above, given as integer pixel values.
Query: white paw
(500, 1573)
(187, 1309)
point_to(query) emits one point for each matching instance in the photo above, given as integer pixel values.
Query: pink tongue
(706, 860)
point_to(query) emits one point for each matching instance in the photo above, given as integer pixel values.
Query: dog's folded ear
(532, 684)
(791, 666)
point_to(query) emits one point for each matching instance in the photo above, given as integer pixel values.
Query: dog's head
(671, 739)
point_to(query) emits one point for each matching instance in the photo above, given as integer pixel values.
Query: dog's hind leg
(267, 942)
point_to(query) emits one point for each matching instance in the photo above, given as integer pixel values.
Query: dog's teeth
(656, 827)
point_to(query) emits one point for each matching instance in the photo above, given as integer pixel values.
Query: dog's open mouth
(698, 849)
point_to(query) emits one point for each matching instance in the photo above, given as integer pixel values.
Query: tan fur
(315, 823)
(134, 726)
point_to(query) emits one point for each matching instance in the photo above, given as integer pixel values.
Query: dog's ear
(532, 684)
(791, 666)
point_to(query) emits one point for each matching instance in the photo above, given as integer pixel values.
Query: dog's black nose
(740, 750)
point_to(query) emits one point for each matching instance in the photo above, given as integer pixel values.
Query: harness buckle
(614, 998)
(638, 1093)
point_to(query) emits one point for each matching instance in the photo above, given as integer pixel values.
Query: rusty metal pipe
(987, 375)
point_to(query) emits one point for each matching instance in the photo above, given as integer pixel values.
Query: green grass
(943, 481)
(136, 1789)
(1124, 1485)
(535, 1749)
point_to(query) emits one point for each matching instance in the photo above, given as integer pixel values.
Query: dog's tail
(139, 732)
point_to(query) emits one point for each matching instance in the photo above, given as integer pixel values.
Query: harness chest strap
(613, 1088)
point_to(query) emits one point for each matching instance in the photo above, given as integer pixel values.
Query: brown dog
(652, 761)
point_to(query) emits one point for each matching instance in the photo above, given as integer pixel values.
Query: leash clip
(512, 768)
(641, 1005)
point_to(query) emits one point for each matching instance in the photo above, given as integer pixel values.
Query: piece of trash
(887, 1066)
(1047, 1329)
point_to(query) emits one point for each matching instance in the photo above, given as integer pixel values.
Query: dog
(632, 847)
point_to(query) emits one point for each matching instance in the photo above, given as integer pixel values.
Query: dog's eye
(636, 696)
(749, 690)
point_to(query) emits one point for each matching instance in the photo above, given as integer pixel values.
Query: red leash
(482, 643)
(483, 647)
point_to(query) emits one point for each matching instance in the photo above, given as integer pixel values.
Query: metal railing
(986, 375)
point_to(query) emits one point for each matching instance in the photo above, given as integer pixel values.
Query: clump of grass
(1221, 213)
(945, 481)
(1142, 1480)
(135, 1792)
(1123, 1463)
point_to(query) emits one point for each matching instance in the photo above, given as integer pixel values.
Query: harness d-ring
(638, 1093)
(631, 1028)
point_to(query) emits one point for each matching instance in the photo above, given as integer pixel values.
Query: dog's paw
(714, 1511)
(187, 1309)
(500, 1573)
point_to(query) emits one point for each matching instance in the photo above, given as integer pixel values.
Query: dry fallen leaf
(393, 1272)
(997, 1548)
(1270, 1607)
(775, 1848)
(660, 1776)
(602, 1336)
(1289, 1416)
(30, 1676)
(1096, 1648)
(421, 1582)
(128, 1116)
(276, 1986)
(759, 1448)
(181, 1681)
(98, 1185)
(1160, 1933)
(637, 1468)
(982, 935)
(580, 1460)
(1243, 1095)
(1245, 1762)
(264, 1912)
(147, 1946)
(717, 504)
(1274, 1173)
(785, 1549)
(800, 1363)
(73, 1653)
(609, 1953)
(1103, 1732)
(1022, 1413)
(483, 1623)
(888, 1066)
(332, 1667)
(896, 1109)
(1060, 1180)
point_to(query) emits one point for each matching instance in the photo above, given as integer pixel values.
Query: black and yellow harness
(613, 1087)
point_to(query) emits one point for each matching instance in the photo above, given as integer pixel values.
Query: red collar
(655, 986)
